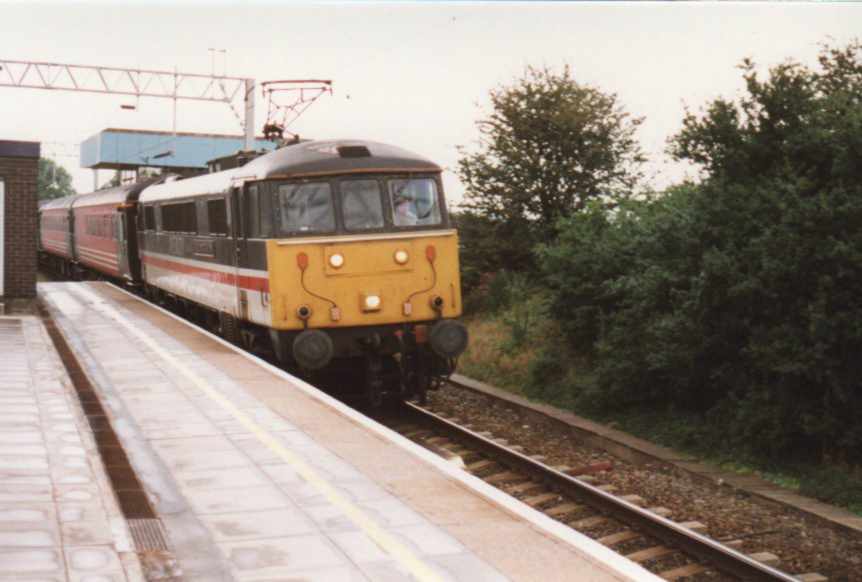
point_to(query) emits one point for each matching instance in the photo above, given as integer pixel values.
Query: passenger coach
(92, 233)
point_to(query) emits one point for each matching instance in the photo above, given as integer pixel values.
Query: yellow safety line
(388, 543)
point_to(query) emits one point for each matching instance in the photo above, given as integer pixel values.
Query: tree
(53, 180)
(740, 297)
(800, 123)
(549, 146)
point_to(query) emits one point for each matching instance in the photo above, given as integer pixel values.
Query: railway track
(674, 551)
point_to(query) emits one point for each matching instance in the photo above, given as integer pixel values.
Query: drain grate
(148, 534)
(146, 529)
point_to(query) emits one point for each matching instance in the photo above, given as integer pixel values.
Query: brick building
(19, 167)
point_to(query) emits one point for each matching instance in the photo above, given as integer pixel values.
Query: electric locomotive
(338, 255)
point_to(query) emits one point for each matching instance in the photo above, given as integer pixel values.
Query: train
(336, 257)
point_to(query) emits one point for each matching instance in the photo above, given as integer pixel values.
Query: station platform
(59, 520)
(255, 475)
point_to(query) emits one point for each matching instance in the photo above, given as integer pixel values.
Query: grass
(493, 358)
(487, 360)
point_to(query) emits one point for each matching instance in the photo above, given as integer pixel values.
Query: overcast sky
(412, 74)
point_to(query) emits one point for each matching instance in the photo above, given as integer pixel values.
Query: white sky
(415, 75)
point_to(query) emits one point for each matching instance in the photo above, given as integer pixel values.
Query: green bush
(739, 298)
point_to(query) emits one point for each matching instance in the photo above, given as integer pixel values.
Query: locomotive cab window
(415, 202)
(361, 204)
(305, 208)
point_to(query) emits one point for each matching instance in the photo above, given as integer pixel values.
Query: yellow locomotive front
(363, 273)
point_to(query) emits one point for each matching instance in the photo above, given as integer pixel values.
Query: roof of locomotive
(305, 159)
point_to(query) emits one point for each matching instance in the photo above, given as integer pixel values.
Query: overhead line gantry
(134, 82)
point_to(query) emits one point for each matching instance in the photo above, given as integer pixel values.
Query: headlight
(401, 257)
(336, 260)
(371, 303)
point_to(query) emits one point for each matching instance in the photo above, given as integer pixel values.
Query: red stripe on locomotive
(260, 284)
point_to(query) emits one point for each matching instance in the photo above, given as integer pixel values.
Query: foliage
(739, 298)
(479, 254)
(526, 307)
(53, 181)
(549, 146)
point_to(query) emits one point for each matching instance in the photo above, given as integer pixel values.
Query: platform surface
(59, 520)
(257, 476)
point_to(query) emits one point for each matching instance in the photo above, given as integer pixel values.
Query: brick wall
(19, 163)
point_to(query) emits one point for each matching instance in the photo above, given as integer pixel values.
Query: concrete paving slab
(253, 525)
(48, 471)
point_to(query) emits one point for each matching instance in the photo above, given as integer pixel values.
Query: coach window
(180, 217)
(361, 204)
(217, 215)
(305, 208)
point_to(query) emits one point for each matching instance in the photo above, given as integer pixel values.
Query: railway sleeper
(541, 499)
(438, 440)
(767, 558)
(661, 511)
(563, 509)
(597, 467)
(618, 538)
(683, 571)
(420, 434)
(634, 500)
(648, 554)
(471, 456)
(812, 577)
(504, 477)
(482, 465)
(588, 522)
(526, 487)
(694, 526)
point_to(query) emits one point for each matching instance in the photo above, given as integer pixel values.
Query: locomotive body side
(191, 245)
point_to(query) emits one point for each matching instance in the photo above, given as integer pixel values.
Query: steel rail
(706, 550)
